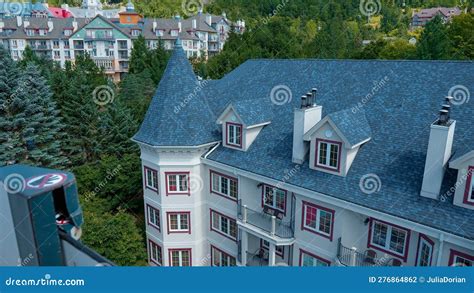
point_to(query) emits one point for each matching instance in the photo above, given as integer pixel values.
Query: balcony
(266, 222)
(106, 63)
(353, 258)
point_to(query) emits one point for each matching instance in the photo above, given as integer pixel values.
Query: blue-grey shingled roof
(353, 125)
(178, 114)
(399, 114)
(254, 111)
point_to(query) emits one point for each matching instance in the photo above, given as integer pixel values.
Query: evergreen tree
(136, 91)
(34, 128)
(434, 42)
(8, 83)
(80, 111)
(139, 57)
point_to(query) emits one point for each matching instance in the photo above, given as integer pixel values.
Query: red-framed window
(308, 259)
(317, 219)
(153, 217)
(328, 154)
(424, 251)
(224, 185)
(469, 194)
(224, 225)
(179, 222)
(274, 198)
(155, 253)
(151, 178)
(180, 257)
(177, 183)
(389, 238)
(220, 258)
(460, 259)
(279, 250)
(233, 134)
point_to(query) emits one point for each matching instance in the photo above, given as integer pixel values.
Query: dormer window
(328, 154)
(67, 32)
(174, 33)
(234, 134)
(30, 32)
(159, 33)
(136, 33)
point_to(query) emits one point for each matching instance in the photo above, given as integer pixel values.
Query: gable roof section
(353, 125)
(252, 112)
(178, 114)
(100, 22)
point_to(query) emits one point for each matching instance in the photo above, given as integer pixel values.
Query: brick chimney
(439, 151)
(305, 117)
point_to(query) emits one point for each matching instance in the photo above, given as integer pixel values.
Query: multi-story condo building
(362, 171)
(109, 41)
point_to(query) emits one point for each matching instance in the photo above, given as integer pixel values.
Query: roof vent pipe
(315, 94)
(303, 102)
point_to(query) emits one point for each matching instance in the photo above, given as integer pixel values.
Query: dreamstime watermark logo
(370, 7)
(275, 11)
(13, 8)
(377, 86)
(25, 261)
(14, 183)
(191, 7)
(460, 94)
(195, 183)
(200, 86)
(288, 175)
(103, 95)
(110, 175)
(281, 94)
(20, 89)
(370, 183)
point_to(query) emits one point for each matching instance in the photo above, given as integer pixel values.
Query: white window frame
(180, 256)
(180, 188)
(154, 256)
(424, 242)
(222, 257)
(218, 218)
(235, 140)
(274, 197)
(388, 237)
(316, 261)
(180, 229)
(153, 216)
(329, 146)
(219, 180)
(318, 219)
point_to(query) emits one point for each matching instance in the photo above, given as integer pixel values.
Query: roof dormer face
(464, 192)
(335, 141)
(328, 152)
(240, 127)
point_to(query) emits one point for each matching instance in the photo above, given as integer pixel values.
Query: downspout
(440, 249)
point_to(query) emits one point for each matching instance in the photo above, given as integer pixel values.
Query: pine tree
(8, 83)
(139, 57)
(35, 128)
(434, 42)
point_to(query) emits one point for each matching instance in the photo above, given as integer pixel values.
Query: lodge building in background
(107, 39)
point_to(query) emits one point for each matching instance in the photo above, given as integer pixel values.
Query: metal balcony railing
(351, 257)
(270, 224)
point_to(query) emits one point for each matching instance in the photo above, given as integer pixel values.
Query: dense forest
(74, 118)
